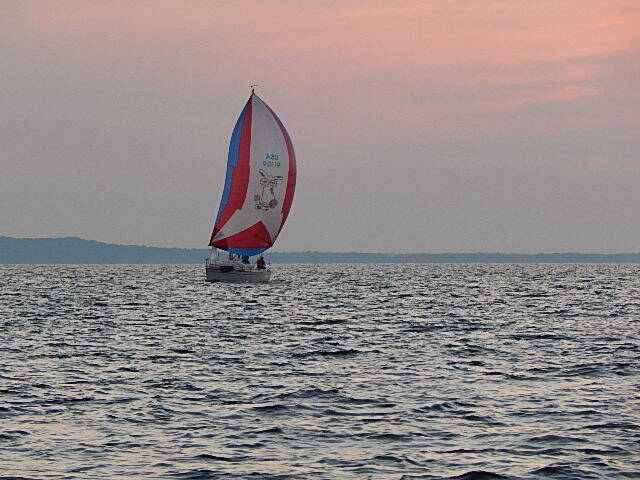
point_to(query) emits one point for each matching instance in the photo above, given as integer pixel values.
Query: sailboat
(257, 195)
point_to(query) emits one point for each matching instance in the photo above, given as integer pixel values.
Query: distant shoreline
(73, 250)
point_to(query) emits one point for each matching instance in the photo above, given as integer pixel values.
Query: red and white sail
(259, 185)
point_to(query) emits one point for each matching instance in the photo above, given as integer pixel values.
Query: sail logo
(271, 160)
(266, 199)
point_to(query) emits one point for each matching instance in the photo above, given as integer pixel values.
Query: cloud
(350, 50)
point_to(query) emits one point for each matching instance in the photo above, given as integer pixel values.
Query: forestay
(259, 185)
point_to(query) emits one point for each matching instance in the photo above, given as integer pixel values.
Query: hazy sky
(419, 126)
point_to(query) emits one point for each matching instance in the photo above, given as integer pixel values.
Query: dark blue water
(329, 372)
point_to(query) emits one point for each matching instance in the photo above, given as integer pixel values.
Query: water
(329, 372)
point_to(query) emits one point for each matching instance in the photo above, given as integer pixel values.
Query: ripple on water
(332, 371)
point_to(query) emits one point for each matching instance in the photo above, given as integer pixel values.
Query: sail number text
(271, 160)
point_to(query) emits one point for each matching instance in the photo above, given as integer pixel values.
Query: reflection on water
(333, 371)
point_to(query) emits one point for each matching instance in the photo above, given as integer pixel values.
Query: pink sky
(450, 83)
(468, 57)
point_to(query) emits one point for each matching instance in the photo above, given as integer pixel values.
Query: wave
(329, 353)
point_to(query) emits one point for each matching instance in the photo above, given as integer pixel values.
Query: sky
(419, 126)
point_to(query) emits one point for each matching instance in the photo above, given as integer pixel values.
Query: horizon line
(328, 251)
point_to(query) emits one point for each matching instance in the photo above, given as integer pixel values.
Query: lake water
(402, 371)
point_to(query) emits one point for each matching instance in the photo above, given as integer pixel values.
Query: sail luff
(237, 176)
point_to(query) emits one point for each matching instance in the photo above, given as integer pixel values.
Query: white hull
(215, 274)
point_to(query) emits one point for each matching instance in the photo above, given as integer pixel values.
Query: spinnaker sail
(259, 184)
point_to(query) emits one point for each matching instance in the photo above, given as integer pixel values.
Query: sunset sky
(419, 126)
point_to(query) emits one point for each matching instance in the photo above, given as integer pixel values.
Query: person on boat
(261, 264)
(245, 259)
